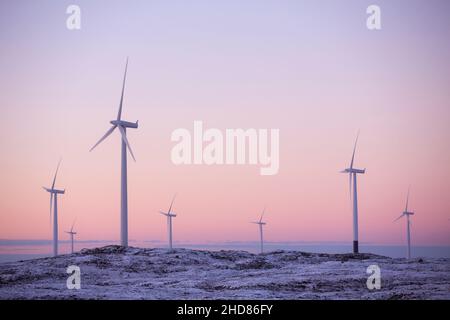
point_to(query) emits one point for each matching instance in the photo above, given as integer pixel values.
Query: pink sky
(314, 72)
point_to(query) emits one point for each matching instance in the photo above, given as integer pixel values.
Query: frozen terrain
(115, 272)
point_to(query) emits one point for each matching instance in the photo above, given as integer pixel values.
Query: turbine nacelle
(404, 214)
(54, 191)
(354, 170)
(170, 214)
(124, 124)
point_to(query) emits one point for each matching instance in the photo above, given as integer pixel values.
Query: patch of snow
(115, 272)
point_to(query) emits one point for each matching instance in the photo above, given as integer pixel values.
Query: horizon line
(7, 242)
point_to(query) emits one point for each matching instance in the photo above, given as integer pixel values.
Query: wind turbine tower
(352, 173)
(260, 223)
(54, 205)
(122, 126)
(169, 214)
(72, 233)
(407, 214)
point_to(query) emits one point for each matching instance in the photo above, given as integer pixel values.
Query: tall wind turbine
(122, 126)
(406, 214)
(261, 224)
(353, 172)
(169, 214)
(72, 233)
(54, 205)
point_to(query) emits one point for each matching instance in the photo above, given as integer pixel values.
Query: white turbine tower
(353, 172)
(169, 214)
(408, 224)
(260, 223)
(72, 233)
(122, 126)
(54, 203)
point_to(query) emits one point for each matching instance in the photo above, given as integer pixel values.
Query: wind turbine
(72, 233)
(54, 204)
(353, 172)
(408, 224)
(122, 126)
(261, 224)
(169, 214)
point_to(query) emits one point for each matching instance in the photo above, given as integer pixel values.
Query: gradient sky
(309, 68)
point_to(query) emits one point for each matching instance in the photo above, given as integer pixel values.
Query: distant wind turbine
(122, 125)
(72, 233)
(169, 214)
(261, 224)
(408, 224)
(352, 172)
(54, 204)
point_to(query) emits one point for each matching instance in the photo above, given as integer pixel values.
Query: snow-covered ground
(115, 272)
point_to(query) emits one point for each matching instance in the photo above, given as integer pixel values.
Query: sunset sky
(308, 68)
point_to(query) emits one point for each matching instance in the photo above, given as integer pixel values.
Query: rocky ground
(115, 272)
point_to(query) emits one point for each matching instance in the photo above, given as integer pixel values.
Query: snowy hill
(115, 272)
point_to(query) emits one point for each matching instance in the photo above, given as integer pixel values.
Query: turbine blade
(407, 200)
(119, 114)
(56, 173)
(104, 137)
(73, 224)
(399, 217)
(124, 137)
(262, 214)
(163, 213)
(171, 204)
(354, 150)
